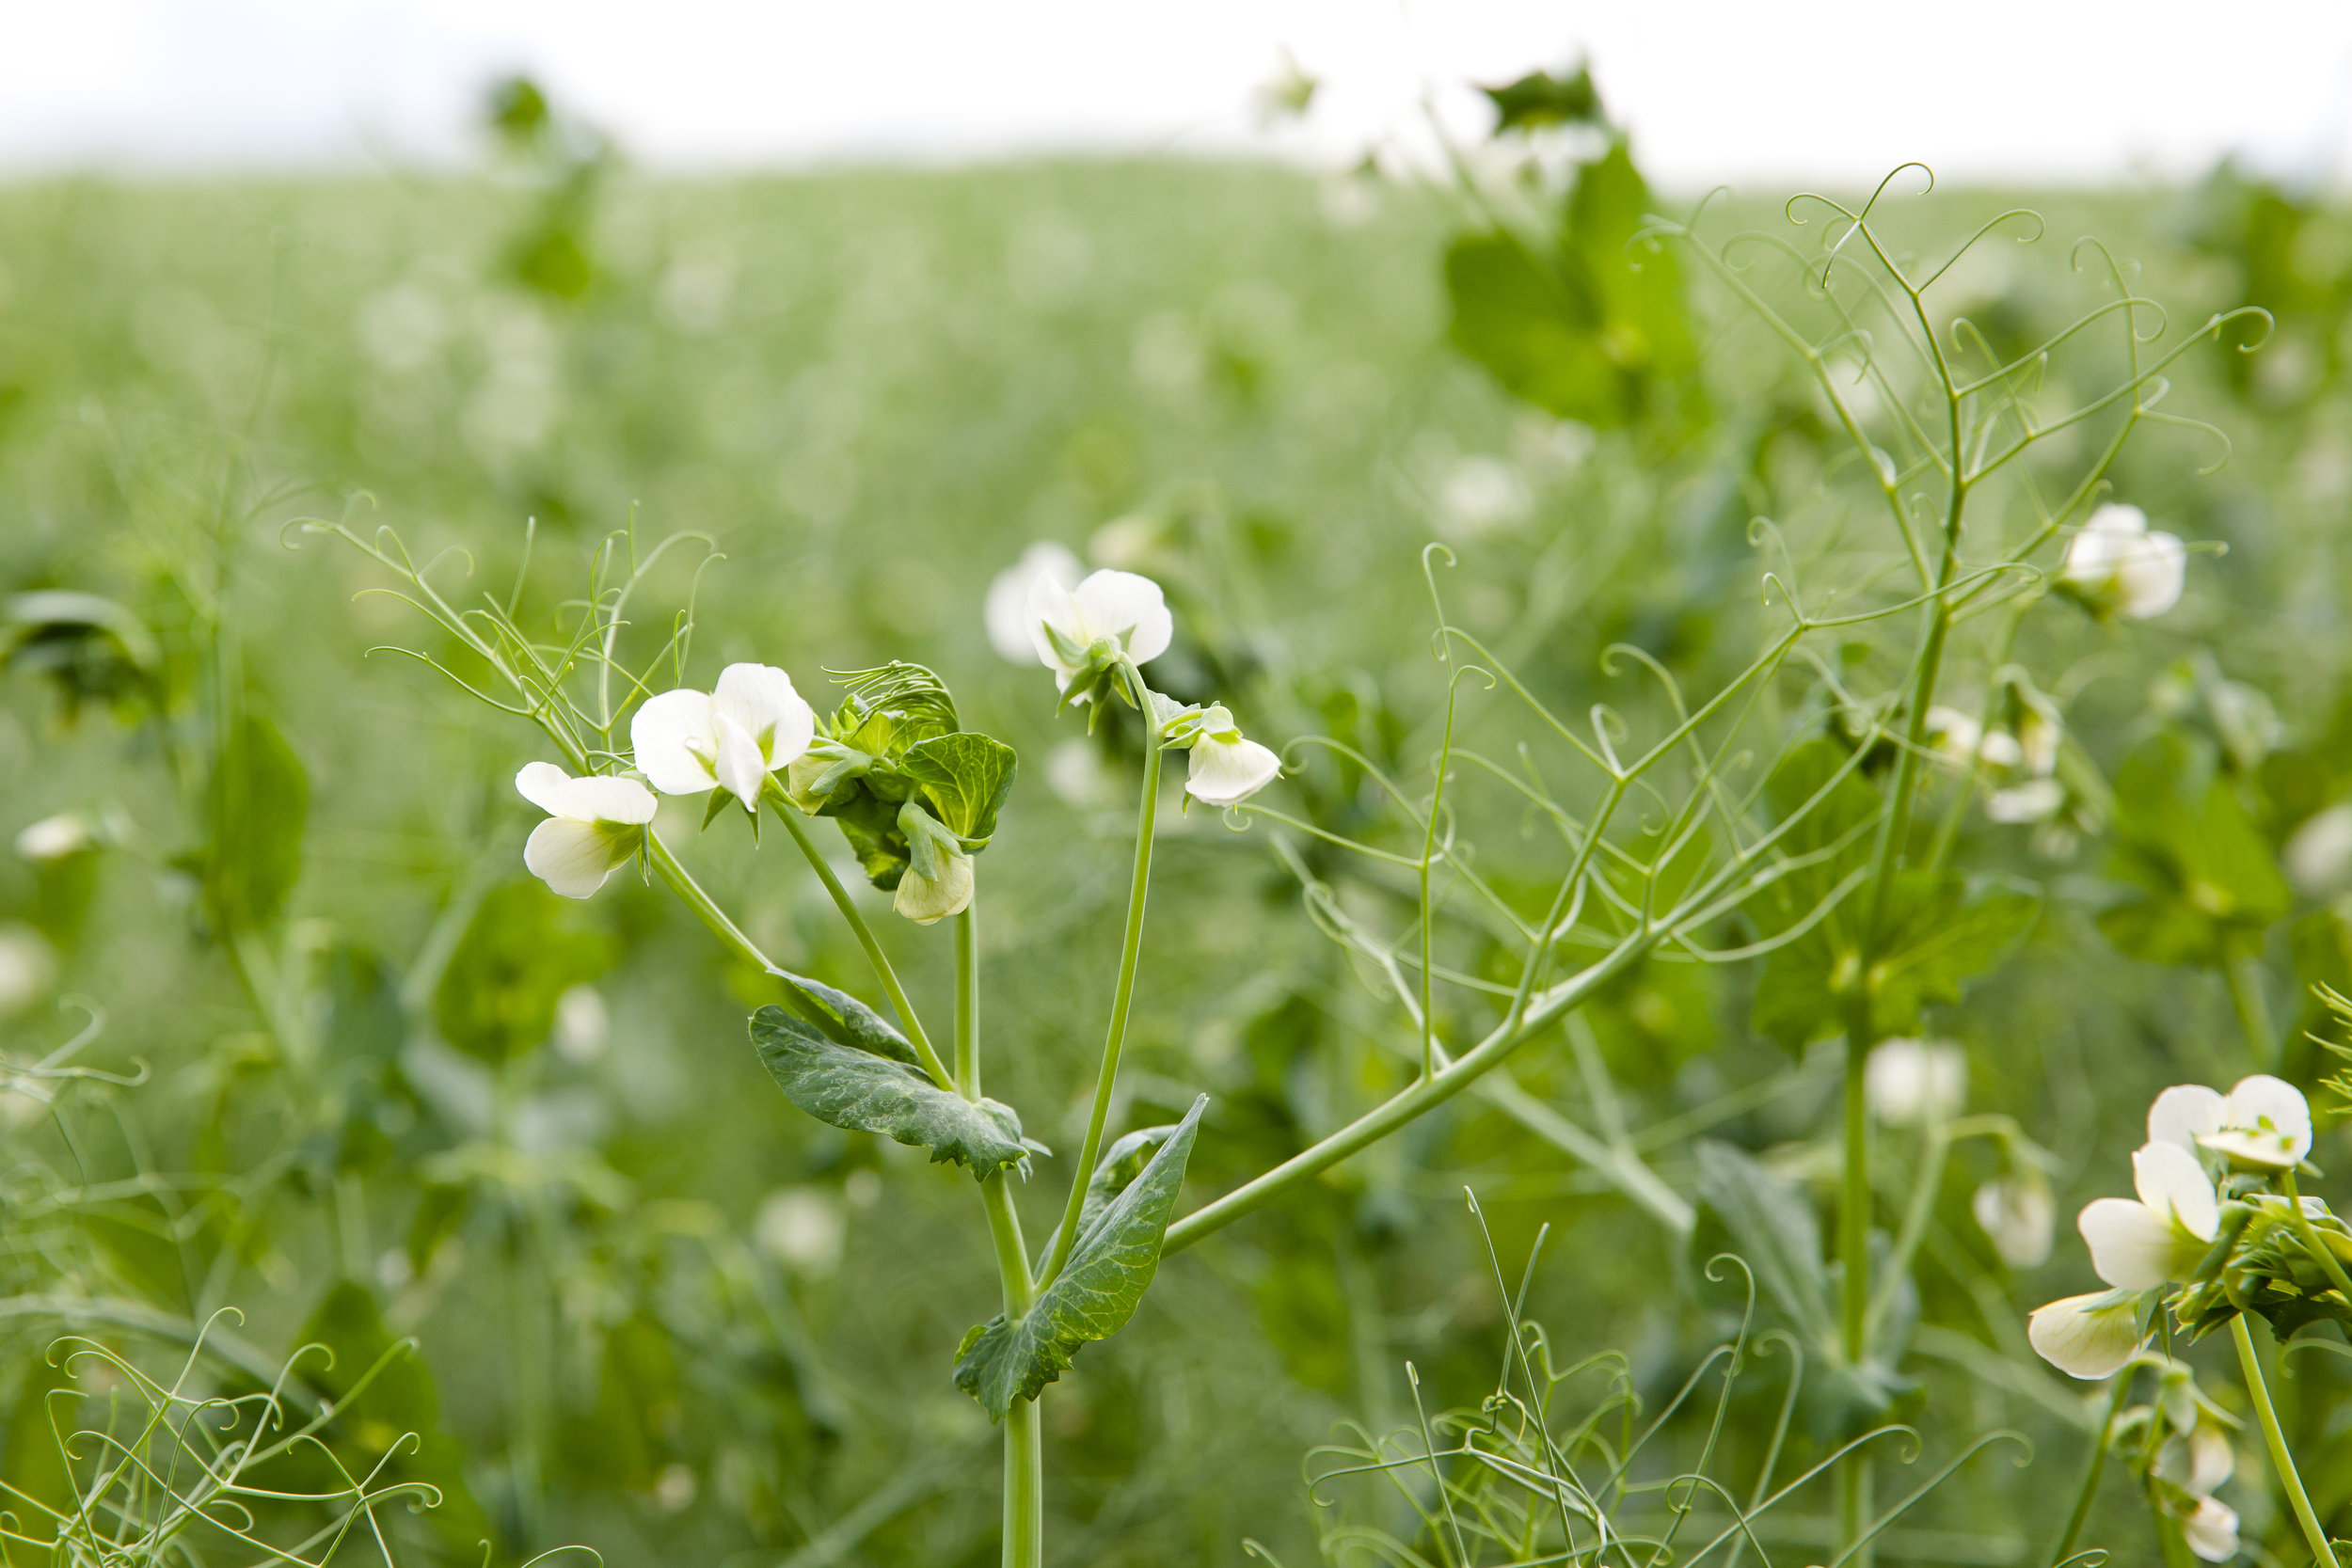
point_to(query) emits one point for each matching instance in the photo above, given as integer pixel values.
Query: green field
(658, 1311)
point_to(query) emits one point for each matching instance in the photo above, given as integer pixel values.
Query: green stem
(1853, 1195)
(1024, 1475)
(2245, 975)
(794, 824)
(2250, 1364)
(2089, 1492)
(2328, 1263)
(1106, 1076)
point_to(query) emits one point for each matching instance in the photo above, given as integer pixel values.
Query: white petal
(2017, 1214)
(2170, 1182)
(759, 697)
(2265, 1121)
(1051, 604)
(2149, 577)
(2118, 520)
(1007, 609)
(2133, 1247)
(54, 838)
(1226, 772)
(1910, 1082)
(2087, 1337)
(2211, 1530)
(741, 769)
(2035, 800)
(925, 900)
(542, 784)
(574, 858)
(2318, 859)
(676, 739)
(2184, 1113)
(1127, 607)
(607, 798)
(2212, 1457)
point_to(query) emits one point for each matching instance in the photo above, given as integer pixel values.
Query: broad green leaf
(1938, 933)
(1095, 1293)
(1540, 99)
(1114, 1172)
(399, 1398)
(967, 777)
(855, 1089)
(1769, 1227)
(2205, 881)
(844, 1019)
(522, 950)
(258, 799)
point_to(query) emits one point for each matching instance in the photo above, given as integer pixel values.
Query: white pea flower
(1955, 736)
(2318, 859)
(1006, 611)
(54, 838)
(1915, 1083)
(926, 900)
(2264, 1121)
(2211, 1530)
(2199, 1459)
(732, 738)
(1227, 768)
(2161, 1239)
(2089, 1337)
(2017, 1213)
(2035, 800)
(1076, 631)
(2119, 566)
(594, 826)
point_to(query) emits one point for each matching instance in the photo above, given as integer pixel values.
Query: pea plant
(1799, 820)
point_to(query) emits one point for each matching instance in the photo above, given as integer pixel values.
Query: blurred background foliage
(388, 1086)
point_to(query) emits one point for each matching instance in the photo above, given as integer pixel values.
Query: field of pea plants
(1149, 862)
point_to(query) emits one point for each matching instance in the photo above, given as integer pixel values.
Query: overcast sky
(2043, 90)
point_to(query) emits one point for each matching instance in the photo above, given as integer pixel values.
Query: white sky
(2039, 89)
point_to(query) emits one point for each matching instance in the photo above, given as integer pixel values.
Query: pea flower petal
(1006, 609)
(2184, 1113)
(2120, 565)
(2211, 1530)
(689, 742)
(1121, 608)
(926, 900)
(2161, 1239)
(594, 826)
(2265, 1122)
(1227, 771)
(2087, 1337)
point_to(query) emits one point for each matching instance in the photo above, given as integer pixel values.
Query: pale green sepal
(854, 1089)
(1094, 1295)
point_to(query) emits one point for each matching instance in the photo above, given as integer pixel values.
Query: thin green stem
(2250, 1364)
(797, 826)
(2092, 1472)
(968, 998)
(2328, 1263)
(1024, 1486)
(1115, 1041)
(1853, 1204)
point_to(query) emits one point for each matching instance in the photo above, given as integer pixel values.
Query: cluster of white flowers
(2263, 1125)
(737, 735)
(2117, 567)
(2018, 752)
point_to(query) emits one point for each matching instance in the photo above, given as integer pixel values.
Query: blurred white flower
(2160, 1239)
(1075, 774)
(800, 1227)
(54, 838)
(28, 967)
(1910, 1082)
(1227, 768)
(2319, 857)
(2120, 567)
(2263, 1121)
(594, 826)
(1480, 496)
(732, 738)
(2017, 1213)
(582, 1025)
(2087, 1337)
(1006, 609)
(1956, 737)
(2211, 1530)
(1074, 631)
(2035, 800)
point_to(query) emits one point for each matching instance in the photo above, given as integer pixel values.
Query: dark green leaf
(520, 953)
(845, 1018)
(1093, 1296)
(1540, 99)
(259, 799)
(1114, 1172)
(967, 777)
(1937, 934)
(2204, 879)
(855, 1089)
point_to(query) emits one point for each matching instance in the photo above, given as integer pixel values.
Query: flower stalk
(2250, 1363)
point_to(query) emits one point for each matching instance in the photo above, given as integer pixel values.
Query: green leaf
(1114, 1172)
(1769, 1225)
(2204, 879)
(844, 1019)
(855, 1089)
(520, 953)
(1938, 934)
(32, 1455)
(1095, 1293)
(967, 777)
(399, 1398)
(257, 800)
(1540, 99)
